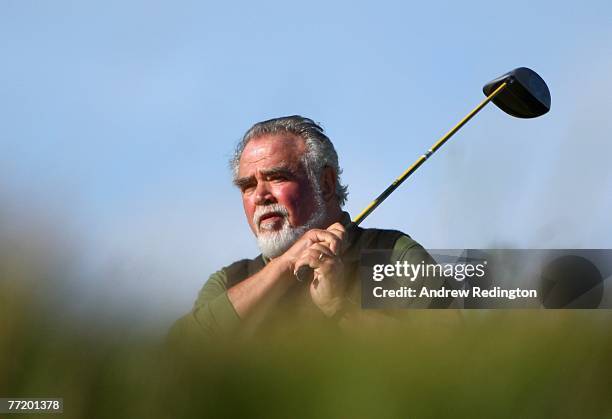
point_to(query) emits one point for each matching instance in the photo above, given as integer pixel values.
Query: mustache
(269, 209)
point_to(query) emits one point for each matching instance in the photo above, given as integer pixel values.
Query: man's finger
(337, 227)
(308, 258)
(322, 249)
(338, 230)
(313, 258)
(333, 242)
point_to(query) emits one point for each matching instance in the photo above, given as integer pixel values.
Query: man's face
(270, 172)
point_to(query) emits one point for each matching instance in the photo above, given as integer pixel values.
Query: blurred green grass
(512, 363)
(493, 364)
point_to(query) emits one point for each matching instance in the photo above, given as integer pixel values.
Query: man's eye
(248, 188)
(278, 178)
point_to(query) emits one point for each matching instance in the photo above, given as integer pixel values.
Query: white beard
(275, 243)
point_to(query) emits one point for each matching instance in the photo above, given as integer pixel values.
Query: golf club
(521, 93)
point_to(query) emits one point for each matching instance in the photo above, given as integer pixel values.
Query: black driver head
(526, 96)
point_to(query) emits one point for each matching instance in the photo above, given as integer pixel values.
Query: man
(288, 175)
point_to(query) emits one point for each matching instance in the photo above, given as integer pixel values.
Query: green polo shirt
(213, 314)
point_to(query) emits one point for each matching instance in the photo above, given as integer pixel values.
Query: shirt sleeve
(212, 316)
(406, 249)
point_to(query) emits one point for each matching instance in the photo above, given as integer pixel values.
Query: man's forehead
(272, 151)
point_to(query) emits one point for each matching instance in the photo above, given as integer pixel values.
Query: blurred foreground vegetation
(493, 364)
(487, 364)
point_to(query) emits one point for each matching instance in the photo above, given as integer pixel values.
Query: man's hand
(328, 286)
(262, 289)
(331, 238)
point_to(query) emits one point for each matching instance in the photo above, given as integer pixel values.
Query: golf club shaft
(397, 182)
(305, 273)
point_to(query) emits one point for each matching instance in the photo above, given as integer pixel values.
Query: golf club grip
(305, 273)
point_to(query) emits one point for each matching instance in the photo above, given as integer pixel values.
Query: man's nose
(263, 195)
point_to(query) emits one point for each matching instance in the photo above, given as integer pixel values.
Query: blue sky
(118, 119)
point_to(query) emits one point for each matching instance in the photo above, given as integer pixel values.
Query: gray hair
(320, 151)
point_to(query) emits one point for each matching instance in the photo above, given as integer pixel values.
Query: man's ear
(328, 183)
